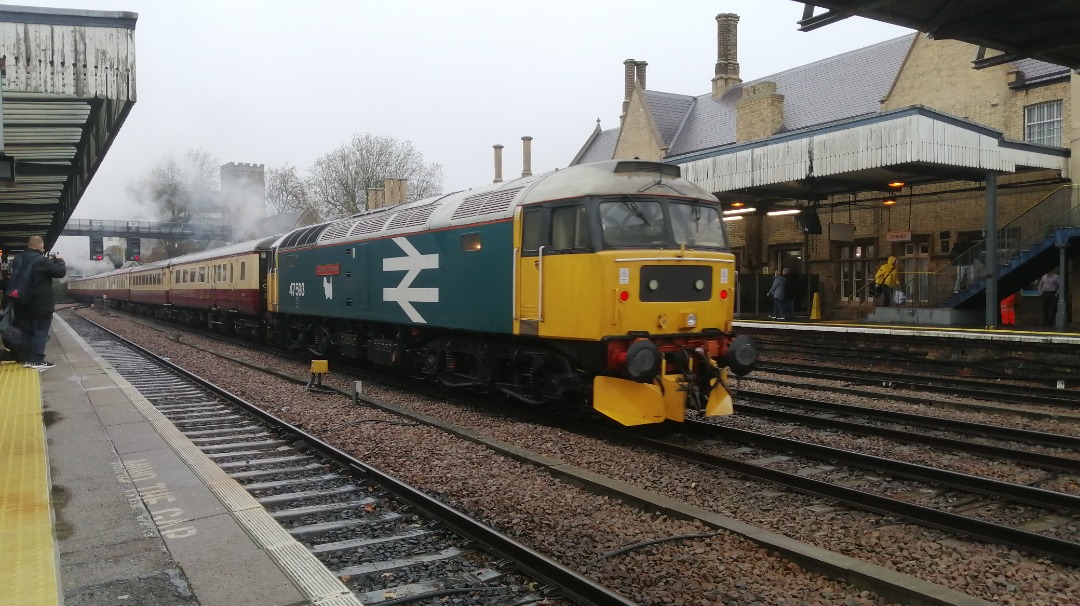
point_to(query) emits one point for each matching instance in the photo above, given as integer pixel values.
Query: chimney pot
(640, 69)
(526, 156)
(498, 162)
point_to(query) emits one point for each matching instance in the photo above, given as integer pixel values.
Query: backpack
(18, 288)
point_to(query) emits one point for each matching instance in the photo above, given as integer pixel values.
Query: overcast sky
(286, 82)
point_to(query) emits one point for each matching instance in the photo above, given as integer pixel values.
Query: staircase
(1027, 249)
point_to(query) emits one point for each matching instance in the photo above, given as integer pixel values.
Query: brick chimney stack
(498, 162)
(629, 68)
(727, 54)
(640, 69)
(526, 156)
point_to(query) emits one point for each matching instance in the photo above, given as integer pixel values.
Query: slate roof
(668, 111)
(844, 86)
(601, 148)
(1035, 70)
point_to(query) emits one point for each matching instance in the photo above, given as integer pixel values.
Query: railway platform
(1039, 355)
(103, 501)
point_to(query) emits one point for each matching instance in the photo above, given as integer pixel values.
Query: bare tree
(338, 182)
(180, 192)
(286, 191)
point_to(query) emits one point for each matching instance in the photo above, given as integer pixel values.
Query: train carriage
(147, 285)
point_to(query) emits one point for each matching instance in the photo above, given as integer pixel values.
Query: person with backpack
(29, 288)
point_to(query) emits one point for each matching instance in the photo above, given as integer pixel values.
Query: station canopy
(68, 85)
(1036, 29)
(914, 145)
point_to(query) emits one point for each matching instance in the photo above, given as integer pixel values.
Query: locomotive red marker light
(624, 296)
(723, 294)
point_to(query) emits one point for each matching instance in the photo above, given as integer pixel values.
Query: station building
(900, 149)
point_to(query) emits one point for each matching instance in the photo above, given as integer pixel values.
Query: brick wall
(759, 113)
(938, 74)
(638, 137)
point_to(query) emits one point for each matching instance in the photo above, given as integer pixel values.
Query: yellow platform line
(27, 549)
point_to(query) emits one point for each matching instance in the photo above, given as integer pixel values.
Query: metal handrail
(1059, 208)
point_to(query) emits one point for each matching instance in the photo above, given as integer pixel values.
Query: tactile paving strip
(28, 574)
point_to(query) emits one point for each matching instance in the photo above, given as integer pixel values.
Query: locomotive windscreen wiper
(628, 202)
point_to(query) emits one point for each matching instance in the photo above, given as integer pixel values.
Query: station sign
(898, 236)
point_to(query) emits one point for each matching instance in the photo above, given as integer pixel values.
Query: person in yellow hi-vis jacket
(886, 280)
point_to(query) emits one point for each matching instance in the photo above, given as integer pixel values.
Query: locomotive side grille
(337, 230)
(411, 218)
(369, 225)
(485, 203)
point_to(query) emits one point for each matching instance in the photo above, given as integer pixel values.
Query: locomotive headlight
(654, 284)
(699, 284)
(689, 320)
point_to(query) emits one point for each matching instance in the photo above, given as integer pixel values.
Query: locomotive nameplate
(330, 269)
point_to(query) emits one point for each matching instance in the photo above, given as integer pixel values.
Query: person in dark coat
(776, 291)
(34, 315)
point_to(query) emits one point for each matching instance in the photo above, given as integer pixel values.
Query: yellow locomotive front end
(637, 283)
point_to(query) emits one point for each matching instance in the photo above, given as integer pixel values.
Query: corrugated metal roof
(844, 86)
(69, 86)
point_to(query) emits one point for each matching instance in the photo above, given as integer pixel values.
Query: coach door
(529, 270)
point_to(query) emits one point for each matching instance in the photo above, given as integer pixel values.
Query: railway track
(903, 589)
(389, 542)
(760, 468)
(1062, 550)
(986, 389)
(823, 415)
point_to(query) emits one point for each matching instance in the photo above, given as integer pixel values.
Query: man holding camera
(34, 310)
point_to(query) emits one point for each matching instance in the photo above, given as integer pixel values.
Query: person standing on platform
(1008, 310)
(33, 314)
(886, 280)
(777, 292)
(1048, 292)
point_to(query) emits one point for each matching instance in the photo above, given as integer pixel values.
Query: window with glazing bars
(1042, 123)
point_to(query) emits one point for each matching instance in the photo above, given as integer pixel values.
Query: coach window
(232, 274)
(202, 274)
(470, 242)
(570, 228)
(532, 231)
(243, 266)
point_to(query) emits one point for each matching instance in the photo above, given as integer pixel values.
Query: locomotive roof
(499, 201)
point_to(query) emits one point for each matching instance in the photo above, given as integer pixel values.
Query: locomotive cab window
(570, 228)
(633, 222)
(696, 225)
(532, 230)
(470, 242)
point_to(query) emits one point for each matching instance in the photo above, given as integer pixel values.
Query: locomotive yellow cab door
(528, 271)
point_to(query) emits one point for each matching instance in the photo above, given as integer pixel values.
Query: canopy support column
(990, 271)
